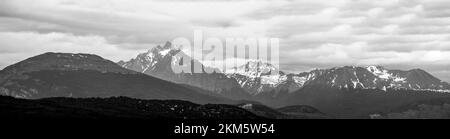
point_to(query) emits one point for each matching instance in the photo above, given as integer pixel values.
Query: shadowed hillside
(116, 108)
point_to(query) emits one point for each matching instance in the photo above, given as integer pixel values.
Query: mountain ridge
(368, 77)
(254, 79)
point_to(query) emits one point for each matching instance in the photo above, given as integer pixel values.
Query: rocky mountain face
(157, 63)
(85, 75)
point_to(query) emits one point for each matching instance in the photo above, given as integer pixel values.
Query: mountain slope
(84, 75)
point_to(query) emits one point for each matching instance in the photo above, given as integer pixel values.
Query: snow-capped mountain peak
(253, 69)
(256, 76)
(158, 62)
(148, 60)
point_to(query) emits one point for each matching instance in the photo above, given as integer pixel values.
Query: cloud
(320, 33)
(367, 32)
(117, 21)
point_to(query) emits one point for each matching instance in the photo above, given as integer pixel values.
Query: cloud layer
(314, 34)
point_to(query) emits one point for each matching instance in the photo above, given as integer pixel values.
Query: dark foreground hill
(356, 103)
(116, 108)
(438, 108)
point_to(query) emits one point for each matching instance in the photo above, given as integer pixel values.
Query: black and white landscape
(64, 79)
(69, 59)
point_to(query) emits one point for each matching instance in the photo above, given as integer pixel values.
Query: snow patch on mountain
(164, 52)
(379, 71)
(299, 80)
(273, 79)
(253, 69)
(247, 106)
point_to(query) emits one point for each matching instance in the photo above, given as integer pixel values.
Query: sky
(397, 34)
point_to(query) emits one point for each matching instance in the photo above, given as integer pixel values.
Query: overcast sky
(398, 34)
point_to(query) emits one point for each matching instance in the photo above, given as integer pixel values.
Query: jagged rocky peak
(158, 51)
(159, 59)
(163, 50)
(148, 61)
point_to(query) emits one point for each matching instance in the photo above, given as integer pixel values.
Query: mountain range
(253, 76)
(347, 91)
(317, 88)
